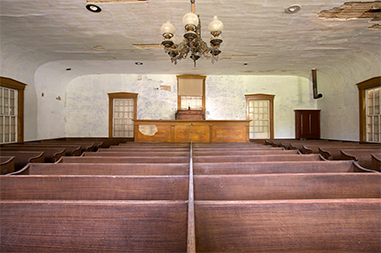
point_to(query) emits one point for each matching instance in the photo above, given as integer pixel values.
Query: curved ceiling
(260, 37)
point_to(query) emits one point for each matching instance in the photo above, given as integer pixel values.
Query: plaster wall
(340, 103)
(21, 65)
(86, 101)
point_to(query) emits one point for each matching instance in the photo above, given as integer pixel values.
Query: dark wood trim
(121, 95)
(20, 87)
(363, 86)
(203, 89)
(268, 97)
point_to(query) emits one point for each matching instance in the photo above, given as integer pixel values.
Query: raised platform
(191, 130)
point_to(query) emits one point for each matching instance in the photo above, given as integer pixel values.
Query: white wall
(54, 115)
(86, 104)
(340, 103)
(87, 100)
(21, 65)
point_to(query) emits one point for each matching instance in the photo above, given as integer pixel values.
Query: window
(259, 109)
(191, 102)
(8, 115)
(122, 112)
(370, 116)
(11, 110)
(191, 92)
(373, 115)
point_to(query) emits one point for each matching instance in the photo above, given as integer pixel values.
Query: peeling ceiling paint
(259, 33)
(354, 10)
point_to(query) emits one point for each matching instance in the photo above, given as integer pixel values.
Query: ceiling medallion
(192, 43)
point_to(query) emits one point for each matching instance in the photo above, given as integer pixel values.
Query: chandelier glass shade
(192, 43)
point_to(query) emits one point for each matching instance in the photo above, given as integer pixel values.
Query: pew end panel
(376, 162)
(359, 168)
(7, 164)
(22, 158)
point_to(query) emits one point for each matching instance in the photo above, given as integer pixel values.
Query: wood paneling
(307, 124)
(195, 131)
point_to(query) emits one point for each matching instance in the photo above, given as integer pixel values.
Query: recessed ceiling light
(93, 8)
(139, 63)
(293, 9)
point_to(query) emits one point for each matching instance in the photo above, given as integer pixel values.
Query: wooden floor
(191, 197)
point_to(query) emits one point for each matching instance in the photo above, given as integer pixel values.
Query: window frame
(203, 90)
(363, 87)
(120, 95)
(20, 87)
(267, 97)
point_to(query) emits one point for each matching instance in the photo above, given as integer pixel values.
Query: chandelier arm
(204, 46)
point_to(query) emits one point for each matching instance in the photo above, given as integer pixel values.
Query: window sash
(192, 102)
(259, 114)
(123, 115)
(8, 115)
(373, 115)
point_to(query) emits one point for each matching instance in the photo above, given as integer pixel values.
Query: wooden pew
(122, 152)
(237, 149)
(150, 149)
(298, 144)
(256, 158)
(51, 154)
(334, 152)
(48, 187)
(288, 186)
(85, 145)
(362, 156)
(142, 169)
(117, 159)
(243, 152)
(70, 150)
(323, 225)
(278, 142)
(376, 162)
(22, 158)
(7, 164)
(106, 141)
(155, 144)
(314, 147)
(93, 226)
(276, 167)
(225, 144)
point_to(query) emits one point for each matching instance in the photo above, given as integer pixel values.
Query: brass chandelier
(192, 43)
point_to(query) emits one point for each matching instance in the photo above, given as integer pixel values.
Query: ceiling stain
(354, 10)
(147, 46)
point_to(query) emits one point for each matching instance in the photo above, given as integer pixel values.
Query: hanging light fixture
(192, 43)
